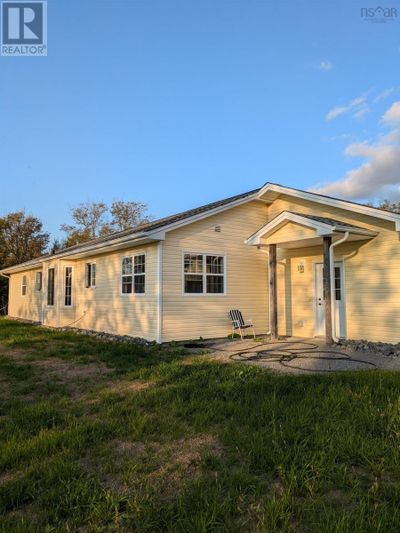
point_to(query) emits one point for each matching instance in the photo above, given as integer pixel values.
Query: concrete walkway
(299, 356)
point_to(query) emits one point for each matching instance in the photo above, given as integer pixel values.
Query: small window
(23, 286)
(139, 274)
(50, 286)
(68, 287)
(203, 274)
(90, 275)
(134, 274)
(39, 281)
(338, 284)
(127, 275)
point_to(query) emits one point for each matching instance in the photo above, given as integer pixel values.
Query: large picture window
(50, 286)
(68, 287)
(204, 274)
(133, 277)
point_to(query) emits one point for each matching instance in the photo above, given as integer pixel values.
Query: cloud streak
(356, 104)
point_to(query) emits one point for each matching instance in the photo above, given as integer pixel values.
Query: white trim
(333, 202)
(47, 286)
(64, 286)
(159, 234)
(321, 228)
(204, 275)
(159, 292)
(91, 286)
(343, 318)
(133, 293)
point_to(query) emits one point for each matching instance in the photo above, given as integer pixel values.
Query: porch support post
(327, 290)
(273, 293)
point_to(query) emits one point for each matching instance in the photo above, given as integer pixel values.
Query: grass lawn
(97, 436)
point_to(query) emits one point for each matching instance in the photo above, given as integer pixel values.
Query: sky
(176, 103)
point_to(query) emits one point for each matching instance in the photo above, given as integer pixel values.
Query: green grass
(98, 436)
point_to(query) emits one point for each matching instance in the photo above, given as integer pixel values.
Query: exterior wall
(29, 306)
(104, 307)
(371, 271)
(191, 316)
(101, 308)
(290, 232)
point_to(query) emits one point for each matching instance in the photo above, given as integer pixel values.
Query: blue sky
(178, 103)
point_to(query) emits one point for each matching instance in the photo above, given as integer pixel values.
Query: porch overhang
(305, 231)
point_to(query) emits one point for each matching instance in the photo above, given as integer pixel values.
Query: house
(295, 262)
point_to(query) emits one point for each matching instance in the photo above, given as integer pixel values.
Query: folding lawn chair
(238, 323)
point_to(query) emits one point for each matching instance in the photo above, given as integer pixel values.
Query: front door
(339, 308)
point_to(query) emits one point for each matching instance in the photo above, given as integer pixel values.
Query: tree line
(23, 238)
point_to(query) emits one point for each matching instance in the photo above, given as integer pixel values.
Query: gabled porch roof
(318, 227)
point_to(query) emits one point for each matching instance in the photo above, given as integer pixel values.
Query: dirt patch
(169, 466)
(6, 390)
(124, 386)
(16, 355)
(66, 371)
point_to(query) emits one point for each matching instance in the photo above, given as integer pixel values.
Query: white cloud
(378, 176)
(384, 94)
(325, 65)
(392, 115)
(335, 112)
(356, 104)
(361, 112)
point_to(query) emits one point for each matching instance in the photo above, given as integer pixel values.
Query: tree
(21, 238)
(386, 205)
(89, 224)
(126, 215)
(92, 220)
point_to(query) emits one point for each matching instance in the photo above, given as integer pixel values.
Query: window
(23, 286)
(50, 286)
(204, 274)
(68, 287)
(139, 274)
(134, 274)
(90, 275)
(39, 281)
(338, 284)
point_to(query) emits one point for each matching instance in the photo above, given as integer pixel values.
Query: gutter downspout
(332, 262)
(159, 291)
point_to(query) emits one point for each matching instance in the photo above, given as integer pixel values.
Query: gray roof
(144, 227)
(325, 220)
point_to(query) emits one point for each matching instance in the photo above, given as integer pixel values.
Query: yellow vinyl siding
(27, 307)
(191, 316)
(288, 233)
(104, 307)
(371, 273)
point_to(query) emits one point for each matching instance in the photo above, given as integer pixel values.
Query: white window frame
(39, 273)
(54, 286)
(133, 293)
(92, 285)
(204, 274)
(24, 285)
(65, 286)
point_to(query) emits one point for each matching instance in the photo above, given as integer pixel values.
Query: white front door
(339, 308)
